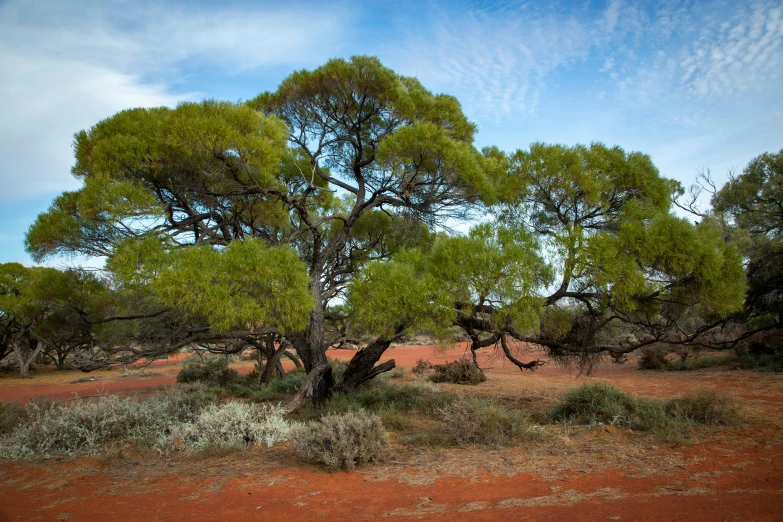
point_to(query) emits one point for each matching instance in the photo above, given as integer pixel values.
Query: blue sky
(694, 84)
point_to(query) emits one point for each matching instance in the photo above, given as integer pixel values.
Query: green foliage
(751, 204)
(752, 199)
(391, 297)
(245, 285)
(340, 441)
(462, 371)
(653, 358)
(478, 421)
(704, 407)
(12, 414)
(497, 265)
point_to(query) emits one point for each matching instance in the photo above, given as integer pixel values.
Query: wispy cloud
(495, 59)
(66, 65)
(742, 54)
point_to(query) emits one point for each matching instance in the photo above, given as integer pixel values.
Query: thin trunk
(272, 360)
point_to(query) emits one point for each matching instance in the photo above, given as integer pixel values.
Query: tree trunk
(362, 367)
(24, 363)
(272, 360)
(310, 346)
(310, 387)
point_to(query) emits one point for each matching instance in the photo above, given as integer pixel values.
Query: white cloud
(744, 54)
(66, 65)
(495, 61)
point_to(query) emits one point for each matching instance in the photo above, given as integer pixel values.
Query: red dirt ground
(732, 474)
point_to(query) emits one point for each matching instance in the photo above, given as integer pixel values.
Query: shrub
(704, 408)
(290, 383)
(462, 371)
(599, 403)
(653, 358)
(213, 372)
(422, 366)
(85, 426)
(419, 396)
(478, 421)
(233, 424)
(12, 414)
(340, 441)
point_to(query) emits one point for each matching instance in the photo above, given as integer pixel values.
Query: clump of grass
(477, 421)
(463, 371)
(599, 403)
(290, 383)
(762, 363)
(340, 441)
(704, 408)
(397, 373)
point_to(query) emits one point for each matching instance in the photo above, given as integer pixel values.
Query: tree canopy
(330, 198)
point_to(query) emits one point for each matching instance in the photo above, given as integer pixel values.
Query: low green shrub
(290, 383)
(340, 441)
(596, 403)
(704, 408)
(599, 403)
(397, 373)
(653, 358)
(477, 421)
(463, 371)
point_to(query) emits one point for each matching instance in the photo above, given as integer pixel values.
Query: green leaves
(244, 286)
(391, 297)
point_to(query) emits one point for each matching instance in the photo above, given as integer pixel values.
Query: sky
(696, 85)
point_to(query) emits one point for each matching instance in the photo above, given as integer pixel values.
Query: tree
(751, 206)
(621, 258)
(29, 320)
(585, 259)
(336, 164)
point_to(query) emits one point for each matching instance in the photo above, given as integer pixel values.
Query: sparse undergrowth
(478, 421)
(228, 425)
(181, 419)
(655, 358)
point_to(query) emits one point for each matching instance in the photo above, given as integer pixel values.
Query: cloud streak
(66, 65)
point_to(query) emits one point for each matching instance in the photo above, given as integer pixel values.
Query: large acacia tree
(339, 164)
(585, 258)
